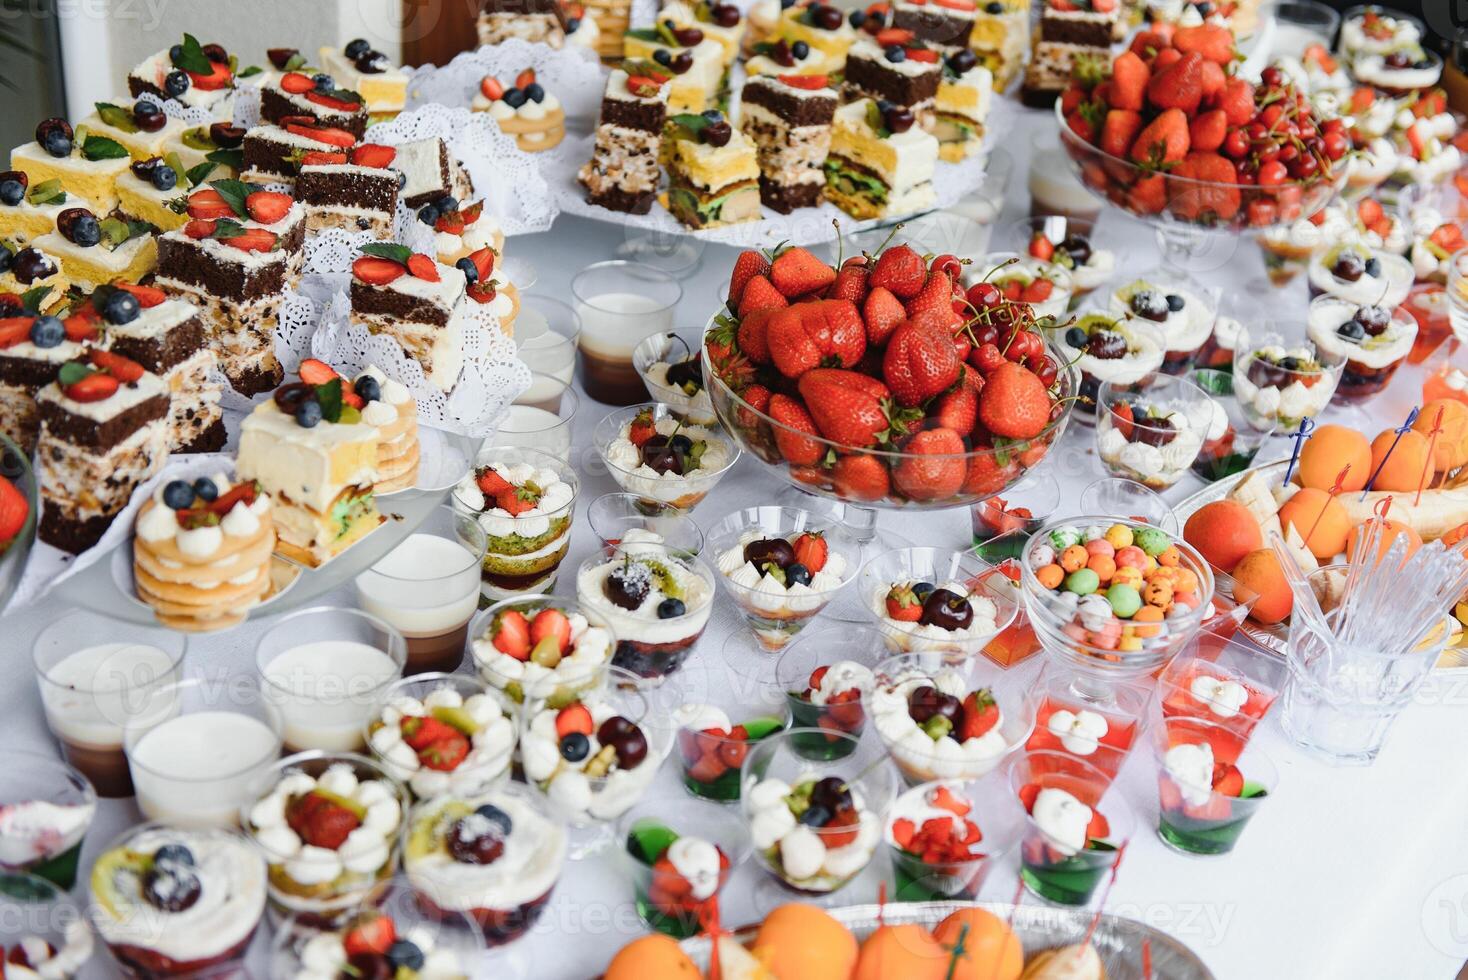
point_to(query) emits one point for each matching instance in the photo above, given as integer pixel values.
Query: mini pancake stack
(612, 17)
(204, 566)
(397, 446)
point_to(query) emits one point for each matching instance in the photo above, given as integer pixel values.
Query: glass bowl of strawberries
(887, 383)
(19, 510)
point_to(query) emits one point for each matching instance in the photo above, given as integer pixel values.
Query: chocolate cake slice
(623, 172)
(426, 316)
(361, 195)
(295, 94)
(276, 153)
(903, 76)
(25, 368)
(790, 122)
(947, 25)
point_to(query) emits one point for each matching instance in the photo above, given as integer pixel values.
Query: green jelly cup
(915, 879)
(1197, 819)
(667, 901)
(1046, 869)
(32, 780)
(710, 755)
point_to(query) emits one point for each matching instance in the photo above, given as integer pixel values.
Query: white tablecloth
(1349, 873)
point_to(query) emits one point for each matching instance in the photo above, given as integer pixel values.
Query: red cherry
(1272, 173)
(1236, 143)
(983, 295)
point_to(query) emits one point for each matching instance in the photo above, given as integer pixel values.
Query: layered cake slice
(309, 449)
(623, 172)
(789, 120)
(141, 128)
(1000, 37)
(534, 21)
(695, 63)
(276, 153)
(782, 59)
(151, 189)
(234, 259)
(388, 406)
(427, 169)
(84, 165)
(32, 350)
(904, 75)
(713, 176)
(28, 210)
(93, 252)
(27, 271)
(823, 27)
(294, 94)
(169, 339)
(367, 72)
(881, 164)
(197, 75)
(103, 432)
(354, 190)
(417, 302)
(719, 21)
(1069, 34)
(944, 23)
(612, 18)
(962, 105)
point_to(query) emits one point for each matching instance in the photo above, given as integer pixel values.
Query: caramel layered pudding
(815, 834)
(329, 828)
(524, 501)
(656, 605)
(1118, 349)
(441, 734)
(173, 902)
(533, 649)
(937, 725)
(1361, 275)
(493, 857)
(376, 945)
(427, 588)
(663, 458)
(1184, 317)
(1372, 340)
(781, 582)
(44, 836)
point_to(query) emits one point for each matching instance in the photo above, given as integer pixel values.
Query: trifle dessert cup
(944, 836)
(329, 826)
(1373, 341)
(1070, 244)
(1369, 29)
(44, 935)
(175, 903)
(1278, 385)
(493, 857)
(1360, 274)
(679, 854)
(1287, 248)
(48, 808)
(673, 373)
(1233, 686)
(781, 566)
(934, 600)
(1182, 312)
(442, 733)
(825, 678)
(665, 458)
(568, 649)
(1104, 347)
(1152, 431)
(656, 604)
(1075, 826)
(524, 500)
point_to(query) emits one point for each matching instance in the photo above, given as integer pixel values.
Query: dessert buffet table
(1352, 873)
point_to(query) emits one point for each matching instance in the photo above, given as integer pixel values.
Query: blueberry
(1290, 363)
(11, 192)
(786, 4)
(994, 7)
(57, 144)
(121, 307)
(800, 49)
(883, 105)
(662, 56)
(1075, 338)
(797, 574)
(1351, 330)
(323, 82)
(815, 815)
(368, 389)
(712, 115)
(446, 205)
(496, 816)
(356, 48)
(175, 53)
(1175, 303)
(428, 214)
(535, 92)
(469, 269)
(1373, 267)
(514, 98)
(86, 231)
(572, 24)
(163, 178)
(206, 489)
(308, 415)
(670, 609)
(176, 83)
(895, 54)
(403, 953)
(857, 18)
(176, 853)
(1205, 8)
(922, 590)
(575, 747)
(681, 444)
(178, 495)
(6, 260)
(47, 331)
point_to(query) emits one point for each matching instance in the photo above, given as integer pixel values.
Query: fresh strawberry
(1212, 42)
(796, 272)
(919, 363)
(207, 203)
(1014, 403)
(574, 718)
(517, 501)
(924, 55)
(332, 102)
(750, 263)
(1036, 291)
(296, 84)
(1119, 131)
(92, 388)
(200, 228)
(936, 294)
(376, 271)
(254, 240)
(942, 796)
(1083, 124)
(268, 207)
(843, 412)
(1146, 44)
(491, 483)
(850, 284)
(374, 155)
(422, 267)
(1165, 59)
(83, 325)
(14, 510)
(902, 832)
(903, 604)
(17, 330)
(1041, 247)
(317, 372)
(957, 409)
(932, 466)
(1129, 77)
(1417, 139)
(525, 79)
(1028, 793)
(642, 428)
(1213, 82)
(1180, 86)
(1362, 99)
(323, 134)
(760, 294)
(321, 821)
(1164, 140)
(1099, 828)
(147, 296)
(483, 260)
(860, 477)
(980, 714)
(894, 36)
(1211, 194)
(421, 731)
(242, 493)
(511, 634)
(1208, 130)
(842, 828)
(322, 158)
(810, 83)
(123, 369)
(1148, 195)
(553, 623)
(901, 270)
(1123, 419)
(1237, 101)
(645, 86)
(807, 335)
(792, 415)
(374, 938)
(1227, 780)
(1071, 98)
(883, 314)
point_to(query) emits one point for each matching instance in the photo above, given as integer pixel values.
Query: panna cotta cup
(1280, 384)
(44, 926)
(196, 750)
(679, 854)
(668, 460)
(825, 677)
(525, 500)
(90, 689)
(935, 600)
(1182, 313)
(1104, 347)
(48, 808)
(554, 671)
(1361, 275)
(441, 733)
(541, 418)
(673, 373)
(620, 304)
(1153, 431)
(329, 826)
(427, 588)
(324, 671)
(615, 517)
(170, 902)
(1075, 826)
(782, 566)
(944, 836)
(656, 605)
(1374, 341)
(490, 858)
(546, 332)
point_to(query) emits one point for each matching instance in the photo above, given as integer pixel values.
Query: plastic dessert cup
(957, 573)
(723, 713)
(934, 868)
(1204, 812)
(1137, 357)
(1371, 360)
(1129, 499)
(620, 304)
(1065, 853)
(764, 557)
(541, 418)
(1096, 723)
(679, 473)
(470, 756)
(841, 802)
(47, 811)
(1230, 685)
(657, 631)
(516, 674)
(1235, 450)
(1001, 524)
(493, 858)
(1153, 431)
(1017, 642)
(679, 855)
(89, 690)
(1428, 305)
(673, 374)
(1278, 385)
(1444, 375)
(37, 911)
(826, 677)
(297, 817)
(613, 516)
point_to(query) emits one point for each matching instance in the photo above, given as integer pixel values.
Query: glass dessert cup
(1428, 305)
(1152, 432)
(936, 719)
(673, 374)
(1203, 811)
(1088, 267)
(1370, 361)
(47, 812)
(515, 675)
(1062, 860)
(767, 590)
(541, 418)
(1118, 495)
(958, 573)
(1015, 274)
(493, 858)
(469, 745)
(1097, 723)
(1235, 450)
(613, 515)
(38, 911)
(524, 551)
(832, 702)
(1279, 385)
(840, 801)
(1145, 348)
(711, 754)
(1183, 310)
(589, 782)
(671, 483)
(676, 887)
(1001, 524)
(15, 466)
(1232, 685)
(317, 873)
(1444, 375)
(725, 709)
(654, 637)
(934, 868)
(1100, 642)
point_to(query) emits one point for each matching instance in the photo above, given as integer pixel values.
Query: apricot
(1451, 450)
(907, 951)
(1259, 578)
(1223, 532)
(991, 951)
(1317, 509)
(802, 942)
(1327, 451)
(651, 956)
(1385, 537)
(1405, 466)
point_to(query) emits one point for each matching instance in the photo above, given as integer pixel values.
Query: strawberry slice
(1099, 828)
(376, 271)
(512, 634)
(525, 79)
(1227, 780)
(373, 938)
(220, 77)
(15, 330)
(1028, 794)
(922, 54)
(422, 267)
(552, 623)
(644, 86)
(268, 207)
(574, 718)
(321, 158)
(350, 397)
(14, 509)
(83, 325)
(374, 155)
(224, 503)
(123, 369)
(332, 102)
(147, 296)
(483, 261)
(200, 228)
(808, 82)
(324, 134)
(317, 372)
(208, 203)
(93, 388)
(491, 88)
(296, 84)
(492, 483)
(254, 240)
(889, 36)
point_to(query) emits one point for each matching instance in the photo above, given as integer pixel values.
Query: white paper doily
(245, 110)
(331, 252)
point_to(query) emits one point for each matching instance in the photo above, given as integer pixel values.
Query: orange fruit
(1327, 451)
(1223, 532)
(651, 956)
(1258, 577)
(991, 951)
(1405, 466)
(1311, 508)
(1385, 537)
(906, 951)
(802, 942)
(1451, 450)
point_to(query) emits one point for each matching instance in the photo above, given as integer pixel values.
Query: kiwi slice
(515, 692)
(667, 581)
(1093, 322)
(759, 728)
(116, 117)
(427, 834)
(457, 718)
(110, 870)
(1131, 289)
(198, 139)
